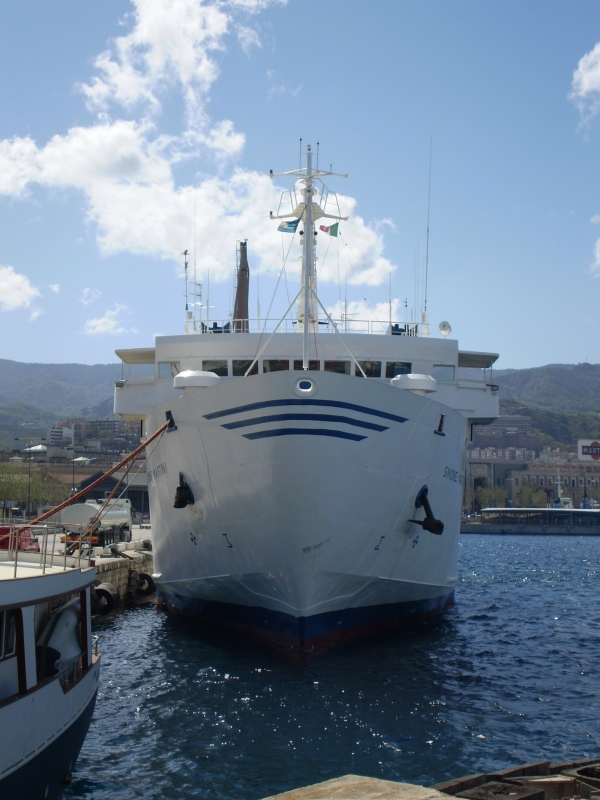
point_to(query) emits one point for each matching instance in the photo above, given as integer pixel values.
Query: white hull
(299, 530)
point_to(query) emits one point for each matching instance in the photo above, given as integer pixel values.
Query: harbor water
(510, 674)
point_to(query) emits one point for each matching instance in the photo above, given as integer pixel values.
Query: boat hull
(43, 777)
(308, 634)
(301, 522)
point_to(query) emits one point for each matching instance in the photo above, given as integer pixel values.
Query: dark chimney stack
(240, 308)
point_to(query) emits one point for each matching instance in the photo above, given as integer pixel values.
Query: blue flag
(289, 227)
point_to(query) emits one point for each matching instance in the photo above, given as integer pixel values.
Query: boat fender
(183, 494)
(430, 523)
(59, 646)
(145, 585)
(107, 598)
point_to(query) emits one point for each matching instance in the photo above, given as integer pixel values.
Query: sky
(132, 130)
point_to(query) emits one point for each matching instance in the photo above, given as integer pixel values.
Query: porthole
(304, 387)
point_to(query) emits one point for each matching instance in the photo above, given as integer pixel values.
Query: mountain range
(563, 388)
(67, 390)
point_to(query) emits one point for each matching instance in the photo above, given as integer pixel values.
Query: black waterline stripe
(312, 417)
(305, 402)
(303, 432)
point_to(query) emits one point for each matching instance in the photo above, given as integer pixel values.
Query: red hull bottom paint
(220, 617)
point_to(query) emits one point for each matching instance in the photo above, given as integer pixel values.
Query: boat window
(443, 372)
(372, 369)
(168, 369)
(240, 367)
(7, 633)
(275, 364)
(393, 368)
(218, 367)
(342, 367)
(311, 364)
(141, 370)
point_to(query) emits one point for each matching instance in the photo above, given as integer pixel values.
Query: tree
(487, 496)
(16, 483)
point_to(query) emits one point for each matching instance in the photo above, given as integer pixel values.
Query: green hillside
(566, 388)
(62, 389)
(557, 429)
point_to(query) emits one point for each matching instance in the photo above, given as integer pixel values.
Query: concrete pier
(123, 571)
(357, 787)
(541, 780)
(117, 570)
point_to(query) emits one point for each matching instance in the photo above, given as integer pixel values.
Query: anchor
(183, 494)
(430, 523)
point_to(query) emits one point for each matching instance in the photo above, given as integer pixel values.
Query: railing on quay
(21, 543)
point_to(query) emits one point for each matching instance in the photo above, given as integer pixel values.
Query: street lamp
(29, 460)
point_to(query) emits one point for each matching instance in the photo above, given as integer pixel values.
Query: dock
(541, 780)
(356, 787)
(124, 571)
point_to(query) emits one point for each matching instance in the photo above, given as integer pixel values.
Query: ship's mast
(307, 304)
(307, 212)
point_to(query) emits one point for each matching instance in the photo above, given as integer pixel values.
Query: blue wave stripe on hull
(305, 402)
(303, 432)
(242, 423)
(303, 629)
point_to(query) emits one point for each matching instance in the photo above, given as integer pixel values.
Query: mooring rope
(97, 482)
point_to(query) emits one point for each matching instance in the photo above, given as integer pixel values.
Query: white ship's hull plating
(300, 524)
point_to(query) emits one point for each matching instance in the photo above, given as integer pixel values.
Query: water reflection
(507, 676)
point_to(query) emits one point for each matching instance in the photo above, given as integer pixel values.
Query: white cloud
(89, 296)
(360, 310)
(15, 290)
(283, 89)
(54, 287)
(595, 266)
(360, 248)
(35, 313)
(171, 41)
(585, 92)
(248, 38)
(108, 324)
(124, 168)
(585, 88)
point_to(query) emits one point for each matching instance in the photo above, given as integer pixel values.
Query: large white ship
(309, 484)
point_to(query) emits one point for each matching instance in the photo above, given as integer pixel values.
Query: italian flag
(332, 230)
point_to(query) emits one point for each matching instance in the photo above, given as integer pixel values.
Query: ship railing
(44, 547)
(344, 325)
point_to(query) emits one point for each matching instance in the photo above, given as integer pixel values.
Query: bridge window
(393, 368)
(443, 372)
(311, 364)
(240, 367)
(276, 365)
(218, 367)
(7, 634)
(343, 367)
(141, 370)
(372, 369)
(168, 369)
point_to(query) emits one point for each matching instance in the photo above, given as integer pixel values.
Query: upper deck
(147, 377)
(31, 577)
